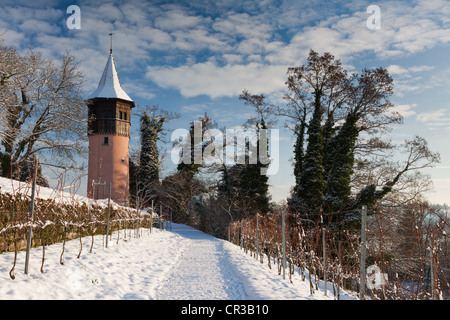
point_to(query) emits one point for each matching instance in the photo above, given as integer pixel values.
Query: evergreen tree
(299, 153)
(340, 155)
(366, 101)
(329, 131)
(227, 186)
(316, 85)
(253, 182)
(311, 186)
(328, 110)
(253, 185)
(148, 180)
(196, 145)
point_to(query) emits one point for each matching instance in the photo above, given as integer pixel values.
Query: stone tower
(109, 134)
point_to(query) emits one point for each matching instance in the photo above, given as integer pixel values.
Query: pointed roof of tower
(109, 85)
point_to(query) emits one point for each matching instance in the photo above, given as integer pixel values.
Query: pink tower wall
(106, 164)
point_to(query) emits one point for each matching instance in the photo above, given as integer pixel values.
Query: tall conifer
(311, 186)
(148, 172)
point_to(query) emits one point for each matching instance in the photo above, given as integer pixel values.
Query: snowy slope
(13, 186)
(183, 264)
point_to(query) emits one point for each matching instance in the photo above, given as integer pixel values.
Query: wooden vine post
(30, 226)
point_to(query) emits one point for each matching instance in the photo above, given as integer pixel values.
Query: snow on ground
(183, 264)
(13, 186)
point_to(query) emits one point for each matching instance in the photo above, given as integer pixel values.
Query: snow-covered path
(184, 264)
(203, 271)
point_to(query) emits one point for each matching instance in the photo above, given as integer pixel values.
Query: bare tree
(42, 108)
(402, 176)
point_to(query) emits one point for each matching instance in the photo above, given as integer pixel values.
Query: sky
(197, 56)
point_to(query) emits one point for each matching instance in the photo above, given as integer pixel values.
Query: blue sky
(193, 57)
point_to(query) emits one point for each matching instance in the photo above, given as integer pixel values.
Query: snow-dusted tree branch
(42, 108)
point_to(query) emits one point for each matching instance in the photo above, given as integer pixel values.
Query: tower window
(120, 115)
(106, 140)
(125, 116)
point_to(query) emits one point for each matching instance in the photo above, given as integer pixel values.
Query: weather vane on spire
(111, 35)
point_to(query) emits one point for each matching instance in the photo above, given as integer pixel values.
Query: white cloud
(405, 110)
(32, 26)
(108, 10)
(404, 29)
(176, 20)
(194, 108)
(13, 37)
(197, 39)
(441, 115)
(396, 69)
(420, 68)
(249, 43)
(31, 4)
(242, 37)
(438, 120)
(412, 79)
(233, 58)
(138, 89)
(243, 25)
(214, 81)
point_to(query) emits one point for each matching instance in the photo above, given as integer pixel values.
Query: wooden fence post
(107, 216)
(30, 227)
(324, 249)
(284, 242)
(362, 268)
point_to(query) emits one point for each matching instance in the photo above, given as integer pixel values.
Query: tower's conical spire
(109, 85)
